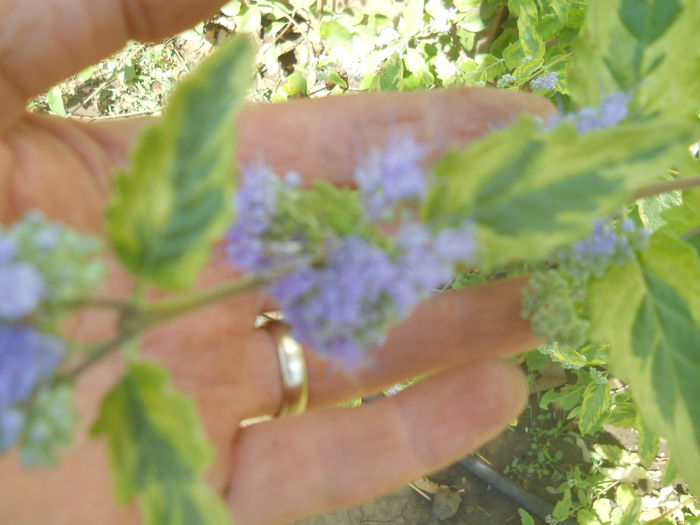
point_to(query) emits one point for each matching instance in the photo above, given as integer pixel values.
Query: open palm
(328, 457)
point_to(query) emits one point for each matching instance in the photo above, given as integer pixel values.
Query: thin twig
(691, 233)
(150, 112)
(98, 354)
(682, 183)
(666, 514)
(138, 320)
(165, 310)
(420, 491)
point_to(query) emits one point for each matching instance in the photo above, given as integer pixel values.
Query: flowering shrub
(624, 280)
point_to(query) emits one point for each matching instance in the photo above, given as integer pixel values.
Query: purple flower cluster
(603, 242)
(342, 302)
(22, 285)
(27, 357)
(256, 208)
(614, 108)
(545, 82)
(391, 175)
(607, 245)
(345, 306)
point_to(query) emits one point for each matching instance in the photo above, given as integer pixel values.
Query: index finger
(319, 138)
(324, 138)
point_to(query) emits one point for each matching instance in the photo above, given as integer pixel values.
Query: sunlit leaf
(648, 311)
(549, 187)
(594, 405)
(175, 199)
(55, 101)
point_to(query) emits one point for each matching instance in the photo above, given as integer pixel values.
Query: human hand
(328, 457)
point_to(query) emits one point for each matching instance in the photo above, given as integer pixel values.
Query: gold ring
(295, 380)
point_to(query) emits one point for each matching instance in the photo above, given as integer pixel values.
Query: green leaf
(472, 22)
(49, 426)
(595, 404)
(683, 219)
(296, 84)
(535, 360)
(338, 80)
(648, 443)
(567, 356)
(86, 74)
(250, 20)
(587, 517)
(648, 311)
(412, 19)
(390, 78)
(335, 35)
(490, 67)
(526, 11)
(567, 399)
(632, 513)
(55, 100)
(525, 517)
(624, 495)
(651, 209)
(633, 45)
(175, 199)
(624, 414)
(158, 449)
(544, 189)
(324, 209)
(670, 474)
(647, 20)
(563, 507)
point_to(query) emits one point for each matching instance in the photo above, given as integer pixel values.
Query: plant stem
(670, 511)
(161, 311)
(97, 354)
(681, 183)
(137, 320)
(103, 303)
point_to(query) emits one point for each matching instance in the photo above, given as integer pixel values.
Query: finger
(75, 34)
(319, 138)
(450, 329)
(338, 457)
(325, 138)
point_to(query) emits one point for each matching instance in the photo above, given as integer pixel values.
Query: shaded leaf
(158, 449)
(647, 20)
(563, 507)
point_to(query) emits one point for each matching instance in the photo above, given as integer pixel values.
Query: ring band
(295, 380)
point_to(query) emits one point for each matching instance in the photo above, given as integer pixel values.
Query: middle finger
(448, 329)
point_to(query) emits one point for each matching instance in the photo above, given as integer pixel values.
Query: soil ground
(478, 502)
